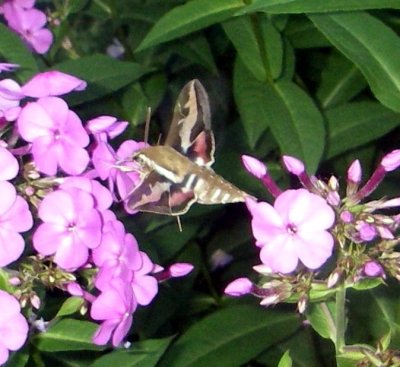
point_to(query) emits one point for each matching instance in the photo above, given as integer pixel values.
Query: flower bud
(239, 287)
(373, 269)
(354, 172)
(293, 165)
(254, 166)
(391, 160)
(180, 269)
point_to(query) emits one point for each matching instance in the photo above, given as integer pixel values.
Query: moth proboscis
(177, 174)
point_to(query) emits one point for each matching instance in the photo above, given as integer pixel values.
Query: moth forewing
(178, 173)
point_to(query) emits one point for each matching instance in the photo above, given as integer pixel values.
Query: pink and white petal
(108, 305)
(18, 218)
(48, 237)
(103, 333)
(320, 216)
(58, 207)
(12, 246)
(131, 254)
(52, 83)
(41, 40)
(4, 353)
(45, 154)
(73, 160)
(8, 164)
(74, 132)
(34, 122)
(16, 331)
(280, 254)
(71, 255)
(33, 19)
(89, 232)
(121, 330)
(7, 197)
(315, 248)
(57, 109)
(9, 307)
(145, 289)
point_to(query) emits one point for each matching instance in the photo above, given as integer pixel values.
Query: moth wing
(190, 131)
(156, 194)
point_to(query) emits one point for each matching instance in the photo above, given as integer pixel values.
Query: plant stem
(340, 319)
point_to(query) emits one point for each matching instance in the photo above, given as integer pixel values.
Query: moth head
(141, 159)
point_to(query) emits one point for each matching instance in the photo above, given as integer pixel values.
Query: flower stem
(340, 319)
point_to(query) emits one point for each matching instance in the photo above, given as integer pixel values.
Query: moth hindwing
(178, 173)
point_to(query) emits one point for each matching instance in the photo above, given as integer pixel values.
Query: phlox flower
(117, 256)
(293, 230)
(57, 136)
(10, 96)
(52, 83)
(13, 326)
(106, 127)
(15, 218)
(71, 226)
(114, 306)
(29, 24)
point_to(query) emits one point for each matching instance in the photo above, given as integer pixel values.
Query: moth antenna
(147, 126)
(178, 220)
(159, 139)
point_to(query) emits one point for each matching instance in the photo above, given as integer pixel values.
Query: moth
(177, 174)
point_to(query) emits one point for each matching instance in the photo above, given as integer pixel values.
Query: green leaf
(273, 45)
(354, 124)
(187, 18)
(229, 337)
(197, 50)
(340, 82)
(251, 98)
(285, 361)
(103, 74)
(67, 335)
(241, 33)
(322, 319)
(14, 51)
(286, 109)
(355, 35)
(141, 354)
(317, 6)
(70, 306)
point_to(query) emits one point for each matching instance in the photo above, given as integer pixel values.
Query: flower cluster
(52, 169)
(315, 237)
(28, 22)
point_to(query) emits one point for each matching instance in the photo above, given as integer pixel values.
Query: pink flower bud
(35, 301)
(180, 269)
(293, 165)
(75, 289)
(354, 172)
(367, 231)
(391, 160)
(346, 216)
(373, 269)
(254, 166)
(239, 287)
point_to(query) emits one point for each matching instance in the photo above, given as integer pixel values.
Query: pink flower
(180, 269)
(117, 256)
(10, 95)
(13, 326)
(29, 24)
(71, 225)
(293, 165)
(294, 229)
(373, 269)
(391, 161)
(15, 218)
(114, 306)
(52, 83)
(57, 136)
